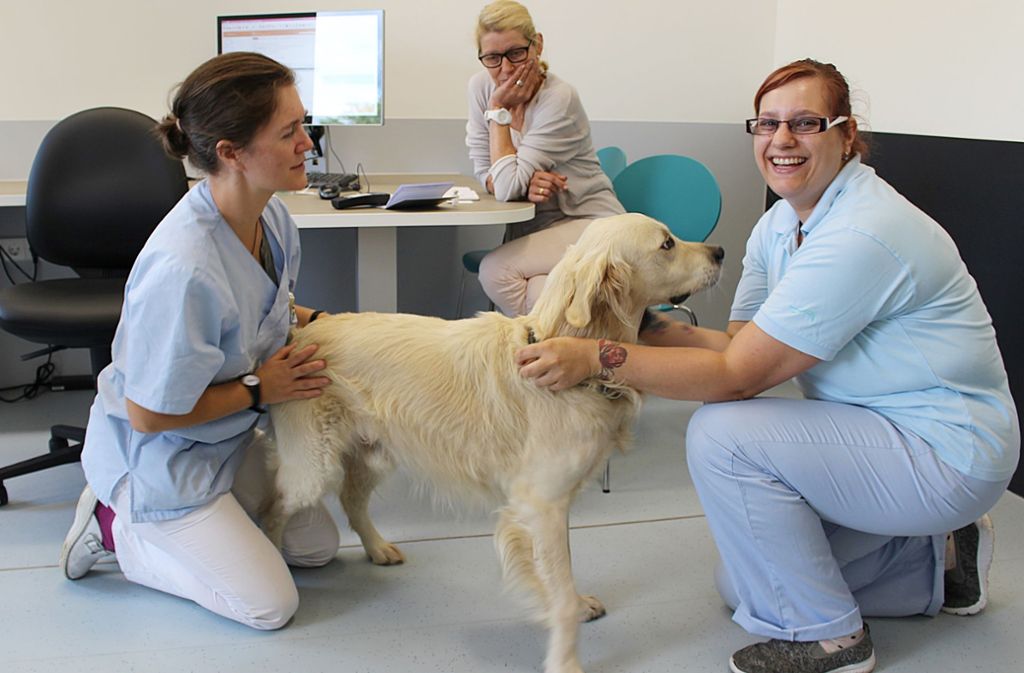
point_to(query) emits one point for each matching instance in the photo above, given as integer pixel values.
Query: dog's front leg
(548, 524)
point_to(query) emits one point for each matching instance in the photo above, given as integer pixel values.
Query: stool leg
(606, 480)
(462, 292)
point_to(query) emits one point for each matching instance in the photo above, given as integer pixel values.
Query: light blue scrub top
(198, 310)
(877, 290)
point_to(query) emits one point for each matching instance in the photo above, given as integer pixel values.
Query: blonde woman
(529, 139)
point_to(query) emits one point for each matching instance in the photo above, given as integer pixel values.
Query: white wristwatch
(501, 116)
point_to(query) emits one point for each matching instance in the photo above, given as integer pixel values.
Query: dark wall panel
(975, 189)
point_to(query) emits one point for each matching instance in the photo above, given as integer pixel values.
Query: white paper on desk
(419, 195)
(462, 194)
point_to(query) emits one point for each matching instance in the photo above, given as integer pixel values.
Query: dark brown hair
(230, 97)
(837, 93)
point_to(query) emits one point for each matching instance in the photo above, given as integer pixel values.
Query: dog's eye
(668, 244)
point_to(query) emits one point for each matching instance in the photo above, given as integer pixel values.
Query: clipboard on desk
(419, 195)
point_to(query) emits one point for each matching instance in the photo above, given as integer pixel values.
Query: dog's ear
(583, 285)
(558, 293)
(601, 284)
(586, 287)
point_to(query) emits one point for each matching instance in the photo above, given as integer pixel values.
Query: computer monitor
(337, 57)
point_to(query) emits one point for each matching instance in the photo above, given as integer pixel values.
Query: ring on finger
(519, 82)
(540, 190)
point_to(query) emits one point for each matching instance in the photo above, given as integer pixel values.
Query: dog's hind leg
(356, 489)
(306, 463)
(514, 545)
(297, 486)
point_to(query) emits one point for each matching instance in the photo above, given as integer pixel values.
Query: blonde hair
(502, 15)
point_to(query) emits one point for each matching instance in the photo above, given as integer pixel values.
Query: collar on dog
(531, 338)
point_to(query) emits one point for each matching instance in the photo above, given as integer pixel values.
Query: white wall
(653, 60)
(920, 66)
(923, 66)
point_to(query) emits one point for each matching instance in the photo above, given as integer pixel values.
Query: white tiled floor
(644, 549)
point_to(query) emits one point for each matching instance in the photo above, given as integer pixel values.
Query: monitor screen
(337, 57)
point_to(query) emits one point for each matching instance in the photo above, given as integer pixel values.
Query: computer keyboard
(345, 181)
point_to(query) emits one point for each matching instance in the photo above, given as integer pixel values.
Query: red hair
(837, 93)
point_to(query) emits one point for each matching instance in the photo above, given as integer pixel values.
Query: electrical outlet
(17, 248)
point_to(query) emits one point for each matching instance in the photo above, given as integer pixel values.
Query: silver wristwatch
(252, 384)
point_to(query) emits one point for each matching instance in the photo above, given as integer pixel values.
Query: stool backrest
(612, 159)
(676, 190)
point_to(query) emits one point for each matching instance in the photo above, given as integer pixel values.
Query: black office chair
(99, 185)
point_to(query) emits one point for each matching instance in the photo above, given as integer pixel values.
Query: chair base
(65, 447)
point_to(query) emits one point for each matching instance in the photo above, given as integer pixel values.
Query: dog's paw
(591, 608)
(563, 667)
(385, 554)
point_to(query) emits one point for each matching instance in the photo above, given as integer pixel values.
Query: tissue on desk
(462, 194)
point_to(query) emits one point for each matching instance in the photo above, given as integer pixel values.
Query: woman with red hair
(839, 505)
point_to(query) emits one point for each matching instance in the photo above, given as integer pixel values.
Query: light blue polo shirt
(198, 310)
(877, 290)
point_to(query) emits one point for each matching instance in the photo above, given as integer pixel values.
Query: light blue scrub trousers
(824, 512)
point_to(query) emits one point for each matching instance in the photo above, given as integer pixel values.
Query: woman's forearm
(217, 401)
(660, 330)
(500, 142)
(679, 373)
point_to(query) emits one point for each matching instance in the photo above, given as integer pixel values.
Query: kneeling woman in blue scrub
(869, 497)
(173, 456)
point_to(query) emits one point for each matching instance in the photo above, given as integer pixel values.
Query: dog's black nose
(717, 253)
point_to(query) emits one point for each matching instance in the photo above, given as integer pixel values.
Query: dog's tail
(515, 551)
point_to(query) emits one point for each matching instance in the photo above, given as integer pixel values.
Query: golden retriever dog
(444, 400)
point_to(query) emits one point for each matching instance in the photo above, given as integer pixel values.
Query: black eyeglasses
(803, 126)
(514, 55)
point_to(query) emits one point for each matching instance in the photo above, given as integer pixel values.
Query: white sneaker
(83, 545)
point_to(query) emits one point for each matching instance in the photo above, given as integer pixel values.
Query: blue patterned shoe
(967, 582)
(783, 656)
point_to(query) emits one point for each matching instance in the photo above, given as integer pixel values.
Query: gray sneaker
(83, 545)
(783, 656)
(967, 582)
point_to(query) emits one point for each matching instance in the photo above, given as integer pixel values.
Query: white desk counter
(377, 273)
(12, 192)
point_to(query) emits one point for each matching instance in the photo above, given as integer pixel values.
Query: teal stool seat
(471, 260)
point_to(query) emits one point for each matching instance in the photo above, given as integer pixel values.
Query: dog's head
(618, 267)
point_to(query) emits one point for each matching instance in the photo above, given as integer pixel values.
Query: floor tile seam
(477, 536)
(446, 538)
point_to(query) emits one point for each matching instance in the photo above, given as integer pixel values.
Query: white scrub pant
(513, 274)
(218, 557)
(825, 512)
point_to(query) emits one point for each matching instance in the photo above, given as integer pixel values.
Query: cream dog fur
(444, 400)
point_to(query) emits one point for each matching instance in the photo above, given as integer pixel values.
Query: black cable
(366, 180)
(6, 257)
(30, 390)
(330, 146)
